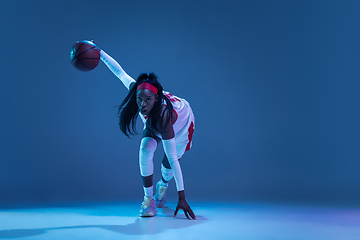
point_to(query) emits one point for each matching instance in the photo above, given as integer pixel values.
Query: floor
(215, 221)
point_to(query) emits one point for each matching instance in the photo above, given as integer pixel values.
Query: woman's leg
(147, 148)
(161, 186)
(166, 173)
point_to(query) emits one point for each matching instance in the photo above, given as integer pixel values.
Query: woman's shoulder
(165, 114)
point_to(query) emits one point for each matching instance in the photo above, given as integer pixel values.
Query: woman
(168, 119)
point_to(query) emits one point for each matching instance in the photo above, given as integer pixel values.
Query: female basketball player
(168, 119)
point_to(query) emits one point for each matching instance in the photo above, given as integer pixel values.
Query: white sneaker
(148, 207)
(160, 196)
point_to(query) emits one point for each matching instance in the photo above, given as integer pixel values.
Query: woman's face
(145, 100)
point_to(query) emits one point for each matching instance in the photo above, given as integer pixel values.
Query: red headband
(148, 86)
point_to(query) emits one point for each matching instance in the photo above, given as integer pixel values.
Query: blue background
(273, 85)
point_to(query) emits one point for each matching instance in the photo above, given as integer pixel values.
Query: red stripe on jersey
(190, 136)
(172, 98)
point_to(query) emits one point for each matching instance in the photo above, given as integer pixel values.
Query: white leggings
(147, 148)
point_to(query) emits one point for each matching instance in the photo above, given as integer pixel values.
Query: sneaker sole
(149, 214)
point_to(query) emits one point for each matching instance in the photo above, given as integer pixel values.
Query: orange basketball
(85, 55)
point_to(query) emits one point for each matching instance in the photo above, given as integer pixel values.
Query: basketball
(85, 55)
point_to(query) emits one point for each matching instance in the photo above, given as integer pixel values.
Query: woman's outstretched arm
(117, 69)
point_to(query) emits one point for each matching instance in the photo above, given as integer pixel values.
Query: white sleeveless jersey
(184, 125)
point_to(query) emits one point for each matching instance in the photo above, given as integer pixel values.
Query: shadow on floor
(142, 226)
